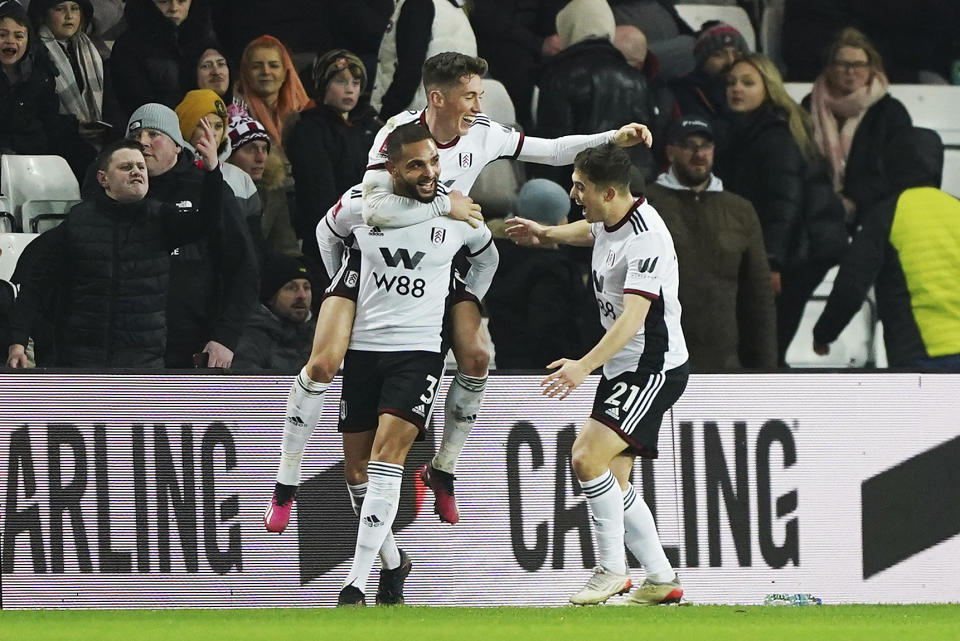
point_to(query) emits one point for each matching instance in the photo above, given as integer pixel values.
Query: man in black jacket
(111, 261)
(214, 282)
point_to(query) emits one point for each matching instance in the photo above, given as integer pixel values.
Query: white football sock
(376, 518)
(304, 406)
(640, 535)
(606, 507)
(389, 552)
(460, 413)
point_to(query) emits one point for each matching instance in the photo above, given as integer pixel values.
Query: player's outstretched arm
(483, 259)
(563, 150)
(523, 231)
(573, 372)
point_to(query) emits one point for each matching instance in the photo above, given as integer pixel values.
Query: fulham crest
(466, 159)
(437, 235)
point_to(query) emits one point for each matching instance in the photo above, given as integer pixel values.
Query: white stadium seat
(11, 246)
(46, 179)
(696, 14)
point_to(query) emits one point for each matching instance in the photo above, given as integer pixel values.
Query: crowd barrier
(147, 491)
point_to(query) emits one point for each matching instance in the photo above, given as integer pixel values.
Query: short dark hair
(605, 166)
(404, 135)
(103, 160)
(444, 70)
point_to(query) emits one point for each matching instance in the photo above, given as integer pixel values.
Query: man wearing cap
(279, 334)
(729, 316)
(213, 283)
(250, 152)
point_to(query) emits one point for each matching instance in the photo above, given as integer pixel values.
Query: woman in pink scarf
(853, 119)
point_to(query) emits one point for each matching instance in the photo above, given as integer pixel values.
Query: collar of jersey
(623, 221)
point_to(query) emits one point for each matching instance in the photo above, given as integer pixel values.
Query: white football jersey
(638, 257)
(464, 157)
(405, 280)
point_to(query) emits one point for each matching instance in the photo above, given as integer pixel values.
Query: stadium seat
(40, 215)
(35, 178)
(696, 14)
(855, 347)
(11, 246)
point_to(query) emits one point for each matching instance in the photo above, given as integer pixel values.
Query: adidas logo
(375, 231)
(372, 521)
(469, 418)
(296, 420)
(613, 412)
(420, 410)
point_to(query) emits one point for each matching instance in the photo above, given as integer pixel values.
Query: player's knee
(475, 361)
(322, 369)
(355, 472)
(584, 465)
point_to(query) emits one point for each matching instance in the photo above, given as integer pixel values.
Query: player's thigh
(360, 395)
(621, 466)
(394, 438)
(594, 449)
(336, 313)
(410, 385)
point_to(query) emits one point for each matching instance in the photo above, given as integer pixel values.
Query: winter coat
(152, 61)
(29, 109)
(276, 227)
(269, 342)
(909, 250)
(729, 317)
(111, 263)
(328, 155)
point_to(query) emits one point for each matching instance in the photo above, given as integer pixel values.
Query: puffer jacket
(270, 342)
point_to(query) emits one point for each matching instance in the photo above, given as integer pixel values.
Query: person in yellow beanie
(199, 104)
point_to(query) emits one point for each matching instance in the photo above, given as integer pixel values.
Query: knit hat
(585, 19)
(243, 129)
(331, 63)
(156, 116)
(542, 200)
(717, 37)
(197, 104)
(278, 271)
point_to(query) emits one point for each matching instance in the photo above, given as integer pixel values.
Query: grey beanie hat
(542, 200)
(153, 115)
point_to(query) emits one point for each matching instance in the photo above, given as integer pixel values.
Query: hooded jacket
(909, 249)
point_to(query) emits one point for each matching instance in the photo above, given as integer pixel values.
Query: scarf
(834, 141)
(86, 105)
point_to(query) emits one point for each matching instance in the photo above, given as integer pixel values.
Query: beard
(691, 177)
(411, 190)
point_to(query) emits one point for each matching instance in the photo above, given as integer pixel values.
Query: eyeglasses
(858, 65)
(692, 147)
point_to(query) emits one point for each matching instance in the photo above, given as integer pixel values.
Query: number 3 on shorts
(427, 396)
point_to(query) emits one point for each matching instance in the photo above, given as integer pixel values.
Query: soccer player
(644, 360)
(395, 358)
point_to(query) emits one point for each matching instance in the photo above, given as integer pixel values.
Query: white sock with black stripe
(640, 535)
(389, 552)
(460, 413)
(376, 519)
(606, 507)
(304, 406)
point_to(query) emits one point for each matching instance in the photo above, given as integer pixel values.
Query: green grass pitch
(713, 623)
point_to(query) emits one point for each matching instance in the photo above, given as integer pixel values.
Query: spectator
(251, 153)
(214, 283)
(108, 22)
(909, 250)
(213, 71)
(279, 335)
(589, 87)
(729, 318)
(327, 145)
(669, 37)
(538, 289)
(205, 104)
(420, 29)
(854, 119)
(269, 88)
(30, 122)
(111, 259)
(774, 163)
(152, 61)
(515, 37)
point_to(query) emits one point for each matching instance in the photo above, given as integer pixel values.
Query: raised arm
(528, 232)
(563, 150)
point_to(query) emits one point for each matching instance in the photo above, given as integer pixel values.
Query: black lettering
(140, 498)
(524, 434)
(737, 501)
(575, 518)
(16, 520)
(401, 256)
(220, 561)
(184, 503)
(689, 484)
(382, 282)
(66, 498)
(775, 555)
(111, 561)
(597, 281)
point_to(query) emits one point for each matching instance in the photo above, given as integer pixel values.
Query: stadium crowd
(762, 195)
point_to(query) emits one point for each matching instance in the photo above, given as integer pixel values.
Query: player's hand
(821, 348)
(775, 283)
(551, 46)
(633, 134)
(564, 380)
(16, 356)
(220, 355)
(463, 208)
(207, 146)
(523, 231)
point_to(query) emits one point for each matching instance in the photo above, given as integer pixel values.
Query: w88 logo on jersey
(402, 285)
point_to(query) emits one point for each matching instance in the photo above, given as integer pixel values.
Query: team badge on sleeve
(437, 235)
(351, 278)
